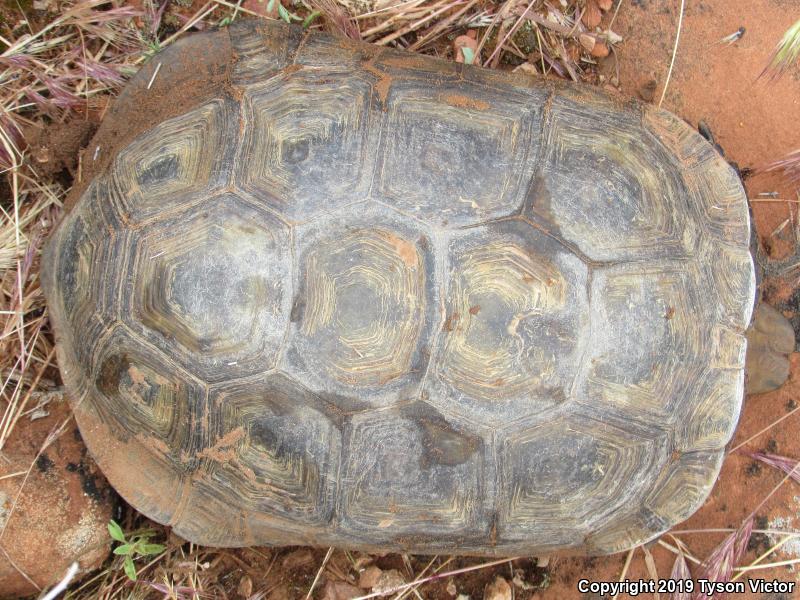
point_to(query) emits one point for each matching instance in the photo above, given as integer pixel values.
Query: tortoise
(312, 291)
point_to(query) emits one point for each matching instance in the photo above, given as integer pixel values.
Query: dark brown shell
(342, 295)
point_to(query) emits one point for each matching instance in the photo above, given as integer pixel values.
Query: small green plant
(282, 12)
(137, 545)
(469, 55)
(310, 19)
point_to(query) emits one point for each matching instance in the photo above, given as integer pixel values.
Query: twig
(400, 588)
(674, 53)
(319, 572)
(625, 568)
(767, 428)
(62, 585)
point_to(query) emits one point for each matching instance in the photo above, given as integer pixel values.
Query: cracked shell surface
(344, 295)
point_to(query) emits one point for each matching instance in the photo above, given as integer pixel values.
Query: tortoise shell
(316, 292)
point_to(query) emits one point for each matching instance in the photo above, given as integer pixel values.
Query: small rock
(387, 582)
(451, 587)
(302, 557)
(647, 91)
(770, 340)
(339, 590)
(369, 577)
(63, 510)
(592, 15)
(466, 41)
(600, 50)
(260, 7)
(526, 68)
(587, 41)
(462, 597)
(245, 587)
(499, 589)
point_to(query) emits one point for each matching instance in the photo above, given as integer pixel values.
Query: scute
(394, 484)
(365, 306)
(174, 165)
(607, 187)
(562, 478)
(715, 189)
(515, 317)
(309, 143)
(650, 337)
(355, 297)
(213, 287)
(274, 454)
(456, 155)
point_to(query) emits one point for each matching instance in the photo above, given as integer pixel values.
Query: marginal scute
(214, 288)
(728, 348)
(453, 156)
(262, 50)
(715, 189)
(174, 165)
(730, 268)
(332, 54)
(709, 421)
(683, 486)
(308, 137)
(625, 532)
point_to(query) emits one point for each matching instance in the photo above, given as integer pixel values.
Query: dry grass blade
(430, 578)
(785, 54)
(337, 17)
(720, 564)
(624, 573)
(788, 166)
(674, 54)
(760, 432)
(680, 572)
(790, 466)
(319, 572)
(62, 585)
(757, 561)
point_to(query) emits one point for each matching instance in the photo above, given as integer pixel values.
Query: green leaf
(150, 549)
(122, 550)
(284, 14)
(469, 55)
(270, 5)
(130, 568)
(115, 531)
(310, 19)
